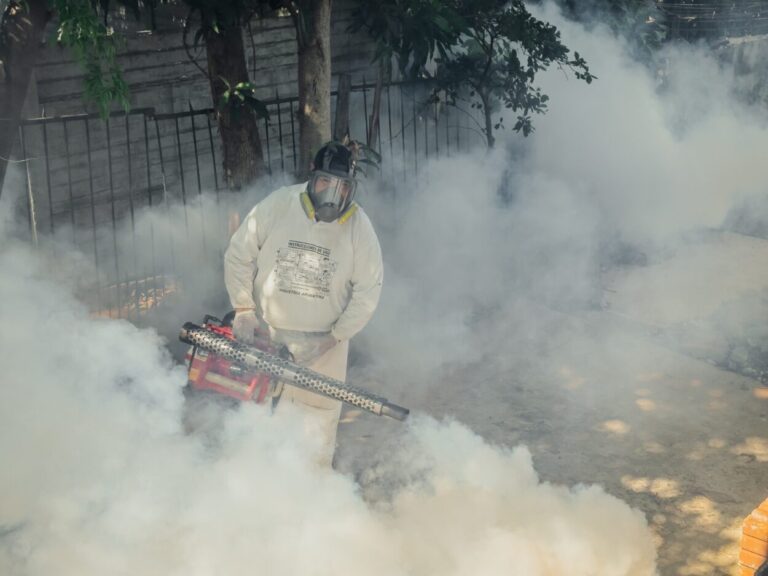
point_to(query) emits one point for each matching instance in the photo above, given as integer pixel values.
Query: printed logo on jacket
(304, 269)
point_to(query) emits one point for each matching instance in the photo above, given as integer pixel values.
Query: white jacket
(301, 274)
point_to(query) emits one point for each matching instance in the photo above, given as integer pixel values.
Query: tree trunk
(314, 47)
(243, 157)
(488, 122)
(373, 123)
(341, 126)
(21, 33)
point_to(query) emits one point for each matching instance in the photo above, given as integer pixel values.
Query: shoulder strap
(348, 213)
(306, 203)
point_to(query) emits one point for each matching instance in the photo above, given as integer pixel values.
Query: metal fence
(141, 193)
(714, 19)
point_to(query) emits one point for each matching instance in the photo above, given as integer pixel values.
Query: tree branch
(184, 35)
(469, 114)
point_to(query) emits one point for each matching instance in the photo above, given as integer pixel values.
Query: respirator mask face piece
(331, 194)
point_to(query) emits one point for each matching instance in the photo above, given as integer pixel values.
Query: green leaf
(258, 107)
(442, 23)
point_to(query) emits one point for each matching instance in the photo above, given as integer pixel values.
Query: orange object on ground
(754, 541)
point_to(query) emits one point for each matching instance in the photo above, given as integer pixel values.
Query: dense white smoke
(658, 160)
(496, 309)
(99, 475)
(626, 170)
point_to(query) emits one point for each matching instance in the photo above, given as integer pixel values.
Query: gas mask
(331, 194)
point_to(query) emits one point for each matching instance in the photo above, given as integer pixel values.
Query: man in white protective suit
(306, 265)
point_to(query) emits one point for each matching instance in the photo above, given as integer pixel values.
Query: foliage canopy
(487, 52)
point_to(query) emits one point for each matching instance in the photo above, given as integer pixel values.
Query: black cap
(335, 158)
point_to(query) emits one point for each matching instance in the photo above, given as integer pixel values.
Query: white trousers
(320, 413)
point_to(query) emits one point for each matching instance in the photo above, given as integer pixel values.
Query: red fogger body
(210, 372)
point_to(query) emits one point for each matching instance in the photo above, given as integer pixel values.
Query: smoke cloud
(100, 476)
(628, 170)
(492, 259)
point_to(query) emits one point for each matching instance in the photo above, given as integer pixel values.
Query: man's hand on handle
(245, 325)
(305, 347)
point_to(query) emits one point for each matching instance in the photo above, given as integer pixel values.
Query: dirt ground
(611, 400)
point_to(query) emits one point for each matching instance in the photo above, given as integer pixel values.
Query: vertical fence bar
(447, 117)
(114, 216)
(153, 256)
(167, 207)
(426, 134)
(378, 129)
(215, 180)
(213, 157)
(48, 174)
(93, 215)
(402, 131)
(437, 130)
(164, 201)
(389, 124)
(65, 125)
(132, 209)
(181, 175)
(415, 135)
(269, 153)
(30, 193)
(280, 132)
(458, 133)
(293, 140)
(365, 111)
(199, 183)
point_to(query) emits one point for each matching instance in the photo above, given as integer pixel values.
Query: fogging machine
(219, 363)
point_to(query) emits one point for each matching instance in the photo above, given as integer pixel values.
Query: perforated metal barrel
(257, 361)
